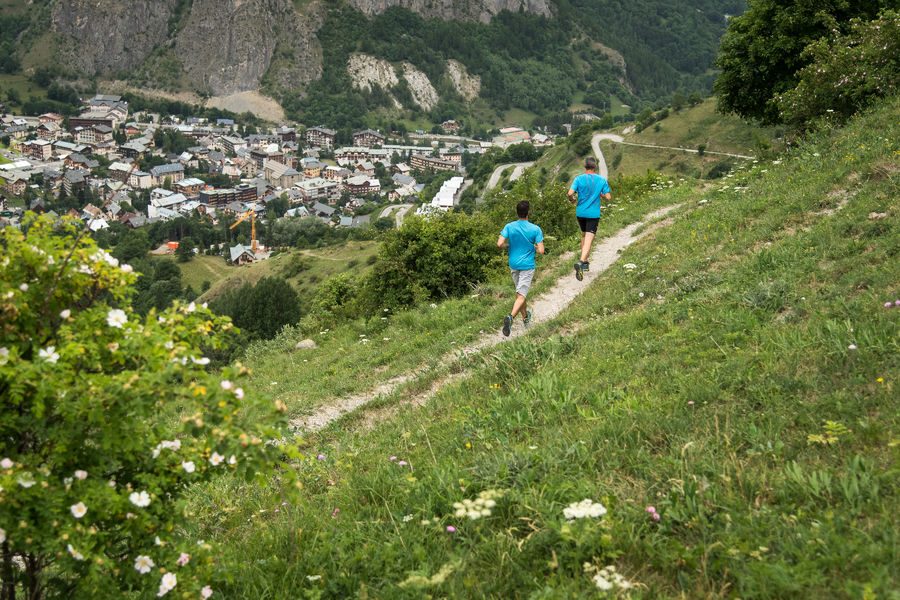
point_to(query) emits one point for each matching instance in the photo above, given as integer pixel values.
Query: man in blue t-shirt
(524, 240)
(589, 188)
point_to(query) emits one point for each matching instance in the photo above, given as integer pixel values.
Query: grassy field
(20, 83)
(740, 379)
(701, 124)
(304, 269)
(632, 160)
(617, 108)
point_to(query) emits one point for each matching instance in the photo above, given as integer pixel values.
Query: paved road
(518, 169)
(398, 210)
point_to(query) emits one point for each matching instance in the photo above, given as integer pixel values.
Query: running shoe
(507, 325)
(579, 271)
(527, 317)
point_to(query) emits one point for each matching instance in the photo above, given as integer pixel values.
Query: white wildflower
(203, 361)
(127, 269)
(313, 577)
(75, 553)
(49, 354)
(6, 464)
(587, 508)
(232, 460)
(116, 318)
(226, 385)
(408, 518)
(216, 459)
(206, 592)
(630, 267)
(140, 499)
(143, 564)
(239, 393)
(24, 287)
(168, 583)
(4, 355)
(78, 510)
(25, 480)
(189, 466)
(82, 475)
(64, 315)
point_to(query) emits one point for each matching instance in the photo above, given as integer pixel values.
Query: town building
(368, 138)
(423, 162)
(174, 172)
(321, 137)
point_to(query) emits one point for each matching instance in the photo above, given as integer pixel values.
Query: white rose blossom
(143, 564)
(116, 318)
(140, 499)
(189, 466)
(168, 583)
(49, 354)
(78, 510)
(206, 592)
(216, 459)
(6, 464)
(82, 475)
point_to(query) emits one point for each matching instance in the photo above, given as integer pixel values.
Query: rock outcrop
(466, 85)
(420, 87)
(110, 36)
(465, 10)
(227, 46)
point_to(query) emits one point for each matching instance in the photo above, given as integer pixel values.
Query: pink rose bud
(451, 529)
(655, 517)
(888, 304)
(651, 510)
(896, 302)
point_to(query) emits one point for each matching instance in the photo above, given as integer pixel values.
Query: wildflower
(75, 553)
(226, 385)
(655, 517)
(143, 564)
(78, 510)
(335, 513)
(206, 592)
(896, 302)
(126, 268)
(4, 355)
(49, 354)
(587, 508)
(191, 307)
(651, 509)
(202, 361)
(451, 529)
(64, 315)
(140, 499)
(168, 583)
(406, 519)
(81, 475)
(630, 267)
(313, 577)
(239, 393)
(888, 304)
(851, 347)
(116, 318)
(216, 459)
(232, 460)
(880, 380)
(183, 559)
(393, 458)
(6, 464)
(321, 457)
(189, 466)
(24, 287)
(641, 295)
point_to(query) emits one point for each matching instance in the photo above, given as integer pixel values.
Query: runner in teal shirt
(524, 239)
(588, 189)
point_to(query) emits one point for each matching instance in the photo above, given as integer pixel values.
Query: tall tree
(762, 50)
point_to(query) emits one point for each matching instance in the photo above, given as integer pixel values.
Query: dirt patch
(252, 102)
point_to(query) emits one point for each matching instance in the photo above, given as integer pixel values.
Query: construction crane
(250, 214)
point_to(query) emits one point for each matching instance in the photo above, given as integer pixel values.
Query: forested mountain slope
(530, 54)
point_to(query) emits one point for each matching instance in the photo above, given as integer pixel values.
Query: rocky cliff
(110, 36)
(472, 10)
(227, 46)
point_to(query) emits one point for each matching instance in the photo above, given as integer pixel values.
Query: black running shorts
(588, 225)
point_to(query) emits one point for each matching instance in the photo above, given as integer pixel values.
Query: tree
(108, 419)
(261, 310)
(185, 251)
(846, 73)
(762, 50)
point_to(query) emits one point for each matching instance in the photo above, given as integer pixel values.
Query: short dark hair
(590, 163)
(522, 209)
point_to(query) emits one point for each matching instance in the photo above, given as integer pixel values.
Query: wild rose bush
(107, 419)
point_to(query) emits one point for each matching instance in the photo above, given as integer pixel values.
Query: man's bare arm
(501, 242)
(540, 247)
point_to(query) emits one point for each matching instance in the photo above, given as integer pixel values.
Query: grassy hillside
(304, 269)
(741, 379)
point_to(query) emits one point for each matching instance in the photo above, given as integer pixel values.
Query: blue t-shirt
(589, 187)
(522, 237)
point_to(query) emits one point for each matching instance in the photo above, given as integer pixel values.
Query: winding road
(518, 169)
(618, 139)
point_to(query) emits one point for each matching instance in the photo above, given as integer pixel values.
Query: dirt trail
(545, 308)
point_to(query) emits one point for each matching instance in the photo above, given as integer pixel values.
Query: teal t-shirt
(522, 236)
(589, 187)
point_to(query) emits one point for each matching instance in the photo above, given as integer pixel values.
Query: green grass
(617, 107)
(25, 88)
(696, 383)
(701, 124)
(304, 269)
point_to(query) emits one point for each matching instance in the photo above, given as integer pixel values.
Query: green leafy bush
(107, 420)
(846, 73)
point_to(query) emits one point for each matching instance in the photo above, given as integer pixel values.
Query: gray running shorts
(522, 281)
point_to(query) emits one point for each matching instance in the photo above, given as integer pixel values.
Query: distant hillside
(528, 54)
